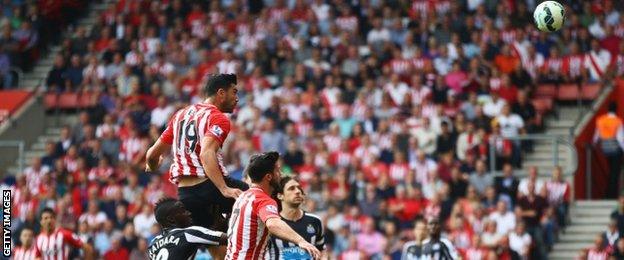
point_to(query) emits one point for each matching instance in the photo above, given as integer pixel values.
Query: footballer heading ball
(549, 16)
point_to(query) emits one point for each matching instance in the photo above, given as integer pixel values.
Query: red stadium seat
(591, 91)
(87, 100)
(568, 92)
(50, 101)
(68, 100)
(546, 91)
(543, 105)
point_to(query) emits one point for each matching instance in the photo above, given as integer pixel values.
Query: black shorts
(207, 205)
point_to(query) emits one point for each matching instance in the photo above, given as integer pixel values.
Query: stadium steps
(37, 77)
(588, 219)
(542, 155)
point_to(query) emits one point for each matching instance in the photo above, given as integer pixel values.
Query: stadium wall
(599, 167)
(27, 123)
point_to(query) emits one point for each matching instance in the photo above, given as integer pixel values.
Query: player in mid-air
(255, 214)
(309, 226)
(195, 135)
(179, 240)
(55, 243)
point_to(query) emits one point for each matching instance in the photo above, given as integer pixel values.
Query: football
(549, 16)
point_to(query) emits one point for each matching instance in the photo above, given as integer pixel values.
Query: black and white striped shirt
(310, 227)
(182, 243)
(441, 249)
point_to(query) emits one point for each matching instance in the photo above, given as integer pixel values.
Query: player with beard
(255, 213)
(195, 135)
(307, 225)
(55, 242)
(179, 240)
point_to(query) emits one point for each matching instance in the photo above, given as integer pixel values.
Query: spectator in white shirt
(505, 219)
(378, 35)
(144, 221)
(511, 124)
(493, 106)
(94, 217)
(520, 241)
(598, 61)
(426, 137)
(444, 62)
(161, 114)
(523, 187)
(397, 90)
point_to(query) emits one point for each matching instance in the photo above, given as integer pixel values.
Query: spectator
(598, 250)
(523, 187)
(531, 208)
(116, 250)
(507, 185)
(610, 134)
(480, 179)
(370, 241)
(520, 241)
(618, 214)
(559, 195)
(505, 220)
(611, 235)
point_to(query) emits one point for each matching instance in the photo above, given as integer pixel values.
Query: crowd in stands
(385, 110)
(27, 28)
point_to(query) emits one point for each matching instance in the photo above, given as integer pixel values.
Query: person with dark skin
(179, 239)
(437, 247)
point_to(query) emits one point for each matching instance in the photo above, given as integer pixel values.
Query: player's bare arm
(280, 229)
(88, 251)
(154, 155)
(208, 156)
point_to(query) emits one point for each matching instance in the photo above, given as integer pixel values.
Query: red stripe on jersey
(239, 231)
(253, 226)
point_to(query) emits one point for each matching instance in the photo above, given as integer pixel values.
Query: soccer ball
(549, 16)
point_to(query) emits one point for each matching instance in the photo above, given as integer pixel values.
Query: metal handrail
(20, 75)
(556, 140)
(20, 150)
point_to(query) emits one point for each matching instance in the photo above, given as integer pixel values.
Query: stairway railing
(569, 170)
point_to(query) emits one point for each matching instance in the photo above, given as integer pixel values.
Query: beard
(274, 184)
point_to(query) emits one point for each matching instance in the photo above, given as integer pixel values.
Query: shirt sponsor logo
(311, 229)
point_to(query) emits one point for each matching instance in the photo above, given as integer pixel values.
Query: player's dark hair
(48, 210)
(219, 81)
(283, 182)
(261, 165)
(163, 209)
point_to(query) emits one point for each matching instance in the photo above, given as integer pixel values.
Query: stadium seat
(591, 91)
(86, 100)
(568, 92)
(50, 101)
(546, 90)
(68, 100)
(543, 105)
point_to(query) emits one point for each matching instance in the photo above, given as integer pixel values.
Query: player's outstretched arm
(88, 251)
(280, 229)
(204, 236)
(154, 155)
(208, 156)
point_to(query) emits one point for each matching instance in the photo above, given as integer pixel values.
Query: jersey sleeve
(320, 241)
(71, 238)
(267, 208)
(167, 135)
(218, 127)
(202, 236)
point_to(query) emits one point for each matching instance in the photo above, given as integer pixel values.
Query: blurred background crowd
(385, 110)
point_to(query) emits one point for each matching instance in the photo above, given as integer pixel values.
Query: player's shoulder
(309, 217)
(409, 244)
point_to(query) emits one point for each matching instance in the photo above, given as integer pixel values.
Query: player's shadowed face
(181, 216)
(293, 194)
(230, 99)
(47, 221)
(434, 227)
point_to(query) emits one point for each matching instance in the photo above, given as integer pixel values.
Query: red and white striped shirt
(247, 233)
(574, 65)
(347, 23)
(558, 192)
(474, 253)
(20, 253)
(595, 254)
(56, 245)
(184, 133)
(398, 172)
